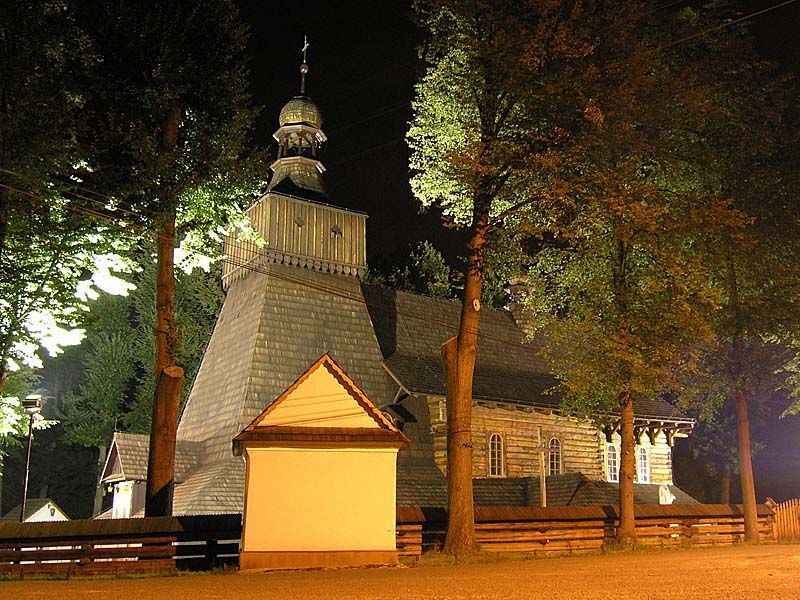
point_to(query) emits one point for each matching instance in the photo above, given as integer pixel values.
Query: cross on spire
(304, 66)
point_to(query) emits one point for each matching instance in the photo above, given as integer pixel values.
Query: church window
(612, 463)
(495, 455)
(642, 465)
(554, 456)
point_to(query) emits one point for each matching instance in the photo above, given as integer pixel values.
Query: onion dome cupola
(297, 170)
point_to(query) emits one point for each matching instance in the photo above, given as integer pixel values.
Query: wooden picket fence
(578, 529)
(787, 519)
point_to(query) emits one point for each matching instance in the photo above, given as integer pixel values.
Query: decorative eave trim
(289, 160)
(266, 257)
(290, 127)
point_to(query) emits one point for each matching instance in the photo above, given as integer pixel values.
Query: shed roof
(429, 489)
(213, 489)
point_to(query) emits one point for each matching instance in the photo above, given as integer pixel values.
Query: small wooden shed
(321, 477)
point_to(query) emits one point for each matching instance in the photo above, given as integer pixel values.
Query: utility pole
(542, 464)
(32, 405)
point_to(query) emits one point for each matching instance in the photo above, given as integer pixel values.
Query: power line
(727, 24)
(128, 227)
(248, 266)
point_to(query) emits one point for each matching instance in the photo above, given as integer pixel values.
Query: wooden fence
(573, 529)
(159, 544)
(116, 546)
(787, 519)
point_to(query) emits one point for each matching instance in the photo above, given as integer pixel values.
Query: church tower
(293, 293)
(294, 222)
(297, 170)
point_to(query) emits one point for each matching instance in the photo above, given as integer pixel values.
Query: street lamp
(32, 405)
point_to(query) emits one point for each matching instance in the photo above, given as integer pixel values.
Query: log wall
(582, 444)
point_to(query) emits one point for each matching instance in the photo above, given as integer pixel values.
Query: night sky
(363, 65)
(362, 68)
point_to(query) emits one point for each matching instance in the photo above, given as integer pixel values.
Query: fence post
(212, 553)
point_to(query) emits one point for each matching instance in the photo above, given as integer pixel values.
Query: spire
(304, 66)
(297, 170)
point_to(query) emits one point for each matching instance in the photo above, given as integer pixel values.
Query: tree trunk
(158, 500)
(746, 469)
(725, 485)
(742, 413)
(166, 320)
(98, 492)
(5, 163)
(459, 355)
(161, 459)
(626, 532)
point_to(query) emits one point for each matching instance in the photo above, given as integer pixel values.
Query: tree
(751, 161)
(630, 291)
(116, 389)
(484, 120)
(92, 415)
(170, 122)
(13, 419)
(46, 247)
(424, 272)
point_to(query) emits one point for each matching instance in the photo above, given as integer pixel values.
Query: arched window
(554, 456)
(612, 463)
(642, 465)
(495, 455)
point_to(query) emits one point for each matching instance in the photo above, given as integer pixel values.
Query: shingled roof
(272, 326)
(429, 489)
(127, 457)
(32, 506)
(411, 330)
(213, 489)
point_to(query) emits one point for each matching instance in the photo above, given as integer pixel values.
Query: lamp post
(32, 405)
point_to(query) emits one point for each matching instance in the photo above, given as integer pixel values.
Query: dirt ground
(750, 572)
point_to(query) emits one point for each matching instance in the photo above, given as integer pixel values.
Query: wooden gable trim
(338, 373)
(359, 395)
(112, 451)
(328, 436)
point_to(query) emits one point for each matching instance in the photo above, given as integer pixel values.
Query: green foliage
(751, 141)
(13, 420)
(116, 389)
(158, 59)
(108, 367)
(482, 118)
(46, 249)
(629, 292)
(199, 297)
(423, 272)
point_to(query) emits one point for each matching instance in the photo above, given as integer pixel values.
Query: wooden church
(299, 297)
